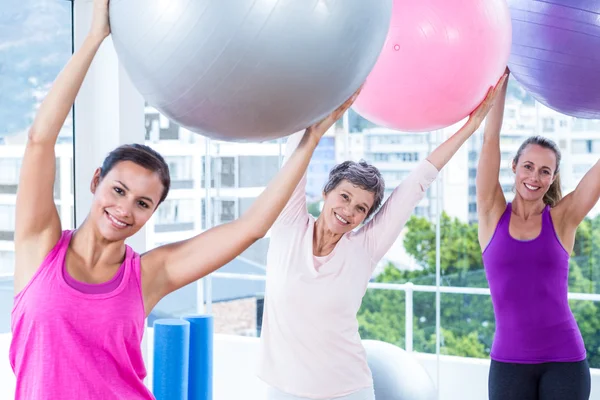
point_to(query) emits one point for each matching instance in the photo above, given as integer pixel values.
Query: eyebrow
(543, 166)
(143, 197)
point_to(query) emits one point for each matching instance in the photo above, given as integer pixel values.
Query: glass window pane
(35, 45)
(468, 320)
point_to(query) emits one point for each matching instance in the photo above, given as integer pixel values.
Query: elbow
(33, 136)
(253, 230)
(37, 136)
(257, 234)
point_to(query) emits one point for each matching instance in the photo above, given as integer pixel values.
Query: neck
(93, 249)
(324, 240)
(526, 209)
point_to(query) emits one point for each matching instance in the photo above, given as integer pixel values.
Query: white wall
(235, 359)
(460, 378)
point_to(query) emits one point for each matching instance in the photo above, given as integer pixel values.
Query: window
(582, 146)
(239, 172)
(7, 220)
(548, 124)
(35, 46)
(226, 211)
(7, 262)
(578, 125)
(9, 171)
(256, 171)
(175, 211)
(394, 176)
(227, 171)
(581, 168)
(180, 167)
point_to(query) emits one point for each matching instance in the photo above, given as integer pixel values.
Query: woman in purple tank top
(81, 296)
(538, 351)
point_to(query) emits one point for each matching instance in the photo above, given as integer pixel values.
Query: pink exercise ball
(438, 62)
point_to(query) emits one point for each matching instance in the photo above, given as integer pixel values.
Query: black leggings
(547, 381)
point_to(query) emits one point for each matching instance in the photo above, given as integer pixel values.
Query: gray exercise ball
(248, 70)
(397, 375)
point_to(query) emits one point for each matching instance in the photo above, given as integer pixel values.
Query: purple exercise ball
(556, 53)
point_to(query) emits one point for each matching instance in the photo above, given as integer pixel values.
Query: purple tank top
(529, 284)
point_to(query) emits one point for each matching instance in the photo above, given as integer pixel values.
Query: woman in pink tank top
(81, 296)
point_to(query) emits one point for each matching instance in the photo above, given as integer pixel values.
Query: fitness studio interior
(479, 121)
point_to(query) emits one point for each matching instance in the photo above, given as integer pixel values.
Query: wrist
(474, 123)
(469, 128)
(94, 39)
(310, 139)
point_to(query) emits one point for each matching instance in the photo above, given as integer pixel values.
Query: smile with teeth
(530, 187)
(342, 220)
(115, 221)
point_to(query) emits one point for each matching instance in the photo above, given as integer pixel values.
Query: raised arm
(172, 266)
(295, 209)
(490, 197)
(37, 224)
(383, 230)
(573, 208)
(380, 233)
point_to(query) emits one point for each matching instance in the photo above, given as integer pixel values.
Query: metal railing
(409, 289)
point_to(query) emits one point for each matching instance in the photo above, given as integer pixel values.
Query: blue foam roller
(171, 359)
(200, 385)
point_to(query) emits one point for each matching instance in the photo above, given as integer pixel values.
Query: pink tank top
(68, 344)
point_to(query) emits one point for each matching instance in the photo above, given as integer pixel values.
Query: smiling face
(534, 172)
(124, 199)
(346, 207)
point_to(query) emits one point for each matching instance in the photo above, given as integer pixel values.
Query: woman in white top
(318, 271)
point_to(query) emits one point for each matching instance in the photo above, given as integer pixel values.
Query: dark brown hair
(143, 156)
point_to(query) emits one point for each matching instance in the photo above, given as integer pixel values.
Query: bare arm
(173, 266)
(295, 209)
(37, 227)
(490, 198)
(489, 191)
(573, 208)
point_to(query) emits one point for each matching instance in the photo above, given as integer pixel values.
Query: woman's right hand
(100, 28)
(479, 114)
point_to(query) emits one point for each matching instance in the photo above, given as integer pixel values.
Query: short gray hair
(361, 174)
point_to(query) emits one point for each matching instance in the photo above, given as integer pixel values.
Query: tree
(314, 209)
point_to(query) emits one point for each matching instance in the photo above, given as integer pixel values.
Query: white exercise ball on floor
(397, 375)
(245, 70)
